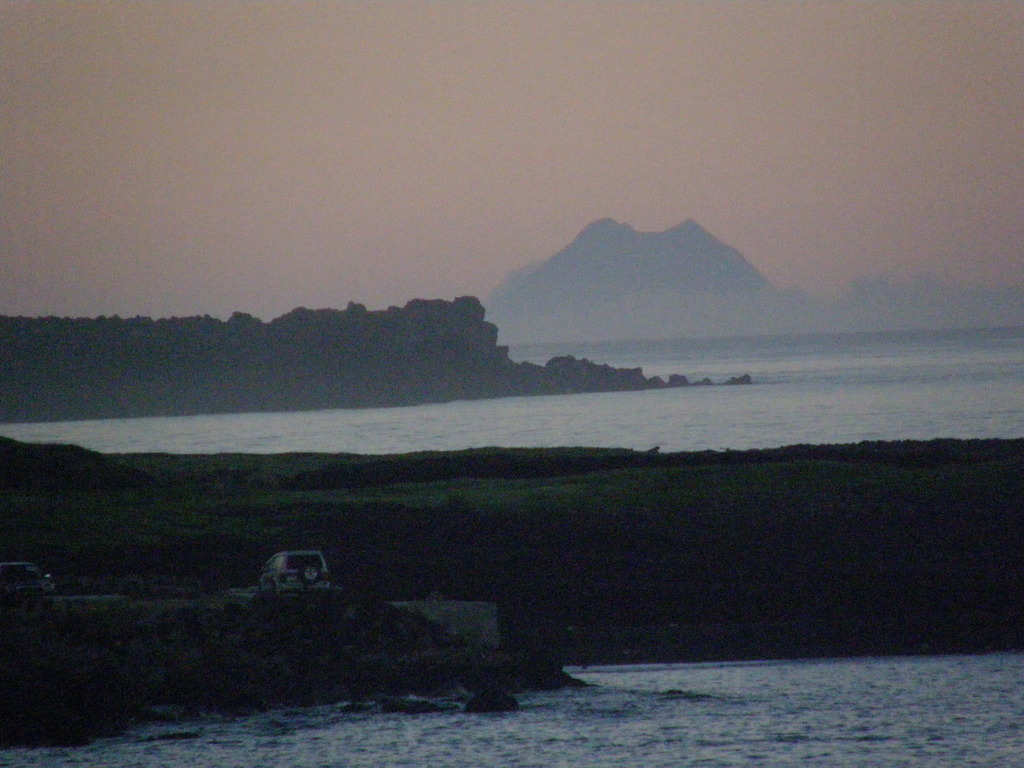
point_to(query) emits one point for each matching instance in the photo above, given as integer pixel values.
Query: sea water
(807, 389)
(934, 712)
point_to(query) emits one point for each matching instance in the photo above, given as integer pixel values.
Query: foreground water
(887, 712)
(813, 389)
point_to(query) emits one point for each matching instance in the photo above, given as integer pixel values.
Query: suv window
(299, 562)
(17, 572)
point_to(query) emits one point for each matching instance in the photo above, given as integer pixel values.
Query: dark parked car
(20, 580)
(295, 571)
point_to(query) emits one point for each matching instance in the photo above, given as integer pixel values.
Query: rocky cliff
(427, 351)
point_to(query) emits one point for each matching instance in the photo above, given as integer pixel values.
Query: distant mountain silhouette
(612, 272)
(608, 258)
(612, 282)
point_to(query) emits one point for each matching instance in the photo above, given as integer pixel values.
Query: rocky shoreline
(429, 351)
(74, 672)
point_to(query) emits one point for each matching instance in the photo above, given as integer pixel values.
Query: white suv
(295, 571)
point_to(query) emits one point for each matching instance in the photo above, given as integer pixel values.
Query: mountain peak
(692, 236)
(598, 240)
(688, 226)
(604, 225)
(603, 231)
(610, 231)
(612, 264)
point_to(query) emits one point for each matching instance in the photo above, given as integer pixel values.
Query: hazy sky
(201, 158)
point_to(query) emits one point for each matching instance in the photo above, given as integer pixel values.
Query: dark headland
(591, 555)
(429, 351)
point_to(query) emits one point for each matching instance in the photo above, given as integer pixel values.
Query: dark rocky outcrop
(424, 352)
(744, 379)
(69, 674)
(413, 705)
(492, 700)
(574, 375)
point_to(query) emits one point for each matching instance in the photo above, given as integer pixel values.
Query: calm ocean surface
(933, 712)
(813, 389)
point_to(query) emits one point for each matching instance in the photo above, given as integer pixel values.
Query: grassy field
(921, 538)
(592, 555)
(571, 537)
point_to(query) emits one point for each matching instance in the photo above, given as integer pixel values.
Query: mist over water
(810, 389)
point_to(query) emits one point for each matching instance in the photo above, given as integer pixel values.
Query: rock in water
(492, 700)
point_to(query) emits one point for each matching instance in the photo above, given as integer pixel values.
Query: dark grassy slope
(59, 468)
(806, 550)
